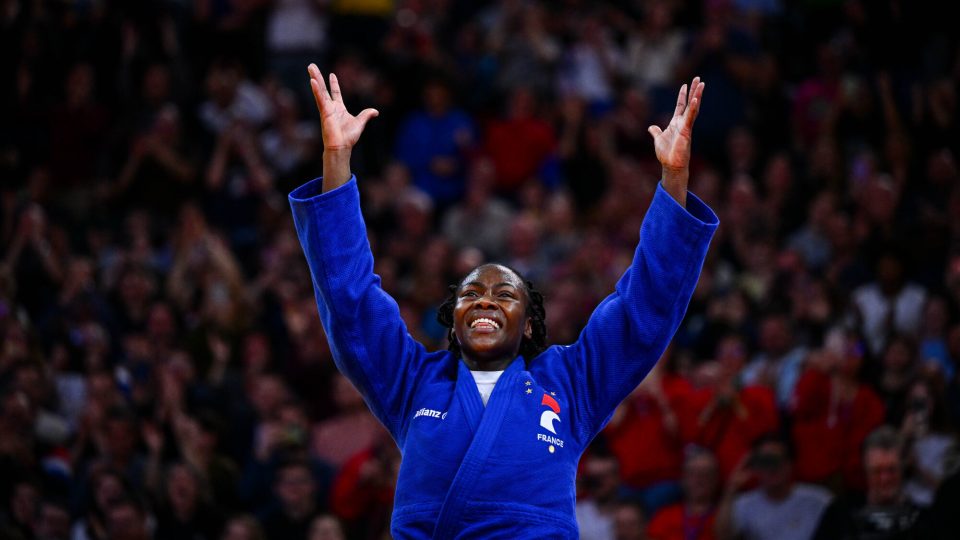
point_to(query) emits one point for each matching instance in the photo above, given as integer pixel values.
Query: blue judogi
(506, 470)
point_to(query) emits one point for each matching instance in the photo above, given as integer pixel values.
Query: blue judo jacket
(506, 470)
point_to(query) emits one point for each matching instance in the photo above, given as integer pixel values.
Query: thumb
(366, 114)
(655, 131)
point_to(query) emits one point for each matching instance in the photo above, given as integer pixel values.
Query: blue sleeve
(368, 339)
(631, 328)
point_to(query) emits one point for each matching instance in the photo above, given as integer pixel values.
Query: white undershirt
(485, 382)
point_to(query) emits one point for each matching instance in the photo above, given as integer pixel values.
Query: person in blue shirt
(491, 431)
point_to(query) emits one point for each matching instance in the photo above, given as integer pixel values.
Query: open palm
(673, 144)
(340, 129)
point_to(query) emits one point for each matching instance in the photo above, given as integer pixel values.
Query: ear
(528, 329)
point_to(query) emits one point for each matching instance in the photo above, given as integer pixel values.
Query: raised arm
(369, 340)
(631, 328)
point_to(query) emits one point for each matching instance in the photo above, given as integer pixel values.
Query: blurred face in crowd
(126, 522)
(898, 356)
(490, 317)
(771, 464)
(107, 487)
(775, 335)
(884, 476)
(732, 355)
(295, 488)
(326, 527)
(242, 528)
(345, 395)
(700, 478)
(53, 522)
(436, 98)
(890, 274)
(182, 489)
(629, 523)
(23, 502)
(601, 478)
(120, 437)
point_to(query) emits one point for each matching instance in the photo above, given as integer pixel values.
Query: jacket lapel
(485, 436)
(469, 397)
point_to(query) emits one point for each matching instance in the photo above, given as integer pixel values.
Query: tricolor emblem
(548, 417)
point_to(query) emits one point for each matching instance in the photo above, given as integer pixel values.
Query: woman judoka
(491, 431)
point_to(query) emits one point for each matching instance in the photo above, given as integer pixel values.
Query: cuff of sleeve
(697, 213)
(312, 191)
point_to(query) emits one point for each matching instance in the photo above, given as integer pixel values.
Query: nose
(485, 302)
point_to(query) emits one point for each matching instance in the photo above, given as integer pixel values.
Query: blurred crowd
(163, 371)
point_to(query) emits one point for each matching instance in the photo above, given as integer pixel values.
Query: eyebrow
(481, 285)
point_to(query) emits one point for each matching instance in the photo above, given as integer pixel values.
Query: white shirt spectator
(874, 310)
(756, 517)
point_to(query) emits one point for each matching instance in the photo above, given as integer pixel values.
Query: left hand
(673, 144)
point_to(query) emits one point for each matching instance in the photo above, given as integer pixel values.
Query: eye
(506, 294)
(469, 294)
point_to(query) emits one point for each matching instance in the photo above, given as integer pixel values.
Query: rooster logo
(548, 417)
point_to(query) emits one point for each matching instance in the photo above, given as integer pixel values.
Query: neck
(487, 364)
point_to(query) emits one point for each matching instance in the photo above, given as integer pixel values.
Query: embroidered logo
(431, 414)
(548, 417)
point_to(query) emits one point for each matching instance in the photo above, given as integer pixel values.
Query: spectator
(242, 528)
(52, 521)
(186, 510)
(884, 512)
(433, 143)
(777, 365)
(647, 425)
(480, 220)
(296, 508)
(597, 506)
(326, 527)
(353, 429)
(629, 522)
(833, 413)
(930, 442)
(889, 305)
(522, 144)
(127, 520)
(695, 515)
(724, 417)
(777, 508)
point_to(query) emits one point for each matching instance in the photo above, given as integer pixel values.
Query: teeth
(491, 322)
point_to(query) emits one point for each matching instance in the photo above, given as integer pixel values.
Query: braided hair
(531, 346)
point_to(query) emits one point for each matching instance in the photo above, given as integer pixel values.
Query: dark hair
(774, 437)
(529, 347)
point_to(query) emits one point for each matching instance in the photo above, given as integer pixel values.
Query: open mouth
(484, 324)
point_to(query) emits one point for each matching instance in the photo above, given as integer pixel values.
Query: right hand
(340, 129)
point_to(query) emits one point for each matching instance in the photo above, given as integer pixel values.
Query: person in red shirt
(722, 416)
(833, 413)
(644, 435)
(362, 493)
(693, 517)
(520, 144)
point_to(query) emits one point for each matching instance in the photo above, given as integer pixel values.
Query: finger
(366, 115)
(335, 88)
(315, 75)
(693, 110)
(318, 96)
(681, 101)
(655, 131)
(693, 87)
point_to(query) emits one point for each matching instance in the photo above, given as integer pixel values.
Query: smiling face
(490, 318)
